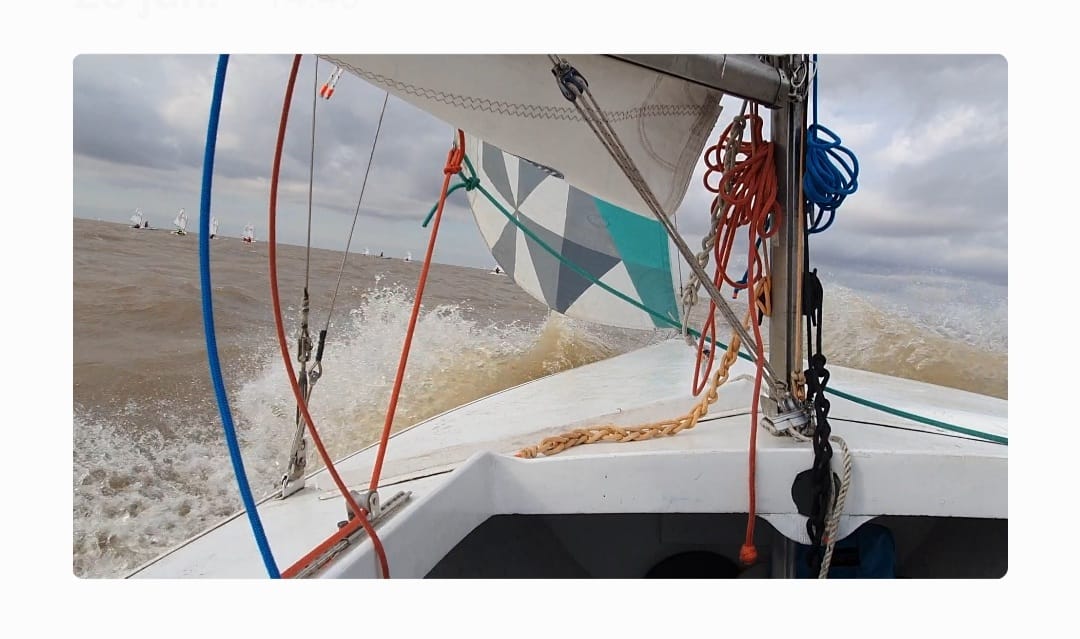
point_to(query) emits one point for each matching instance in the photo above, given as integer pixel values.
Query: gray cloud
(931, 136)
(118, 116)
(930, 133)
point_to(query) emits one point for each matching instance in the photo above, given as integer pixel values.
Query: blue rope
(825, 184)
(208, 322)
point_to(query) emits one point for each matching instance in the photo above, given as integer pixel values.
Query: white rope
(837, 506)
(693, 284)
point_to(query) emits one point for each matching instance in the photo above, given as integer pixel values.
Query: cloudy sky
(930, 132)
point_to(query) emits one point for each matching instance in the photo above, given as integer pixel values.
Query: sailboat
(249, 234)
(697, 456)
(213, 227)
(137, 220)
(180, 222)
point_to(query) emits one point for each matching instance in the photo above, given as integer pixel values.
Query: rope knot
(470, 183)
(748, 554)
(452, 167)
(456, 155)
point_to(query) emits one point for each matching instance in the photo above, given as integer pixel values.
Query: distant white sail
(367, 252)
(213, 226)
(514, 102)
(137, 219)
(181, 222)
(249, 233)
(408, 256)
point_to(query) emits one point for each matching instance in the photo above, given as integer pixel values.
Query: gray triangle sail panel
(564, 246)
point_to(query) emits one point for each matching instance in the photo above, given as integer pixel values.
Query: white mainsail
(213, 226)
(515, 103)
(249, 233)
(137, 219)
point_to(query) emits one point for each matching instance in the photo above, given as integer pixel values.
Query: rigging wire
(298, 451)
(911, 430)
(360, 513)
(311, 176)
(352, 228)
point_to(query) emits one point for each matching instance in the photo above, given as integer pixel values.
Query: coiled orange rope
(746, 192)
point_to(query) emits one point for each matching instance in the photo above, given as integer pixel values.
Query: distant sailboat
(367, 252)
(137, 219)
(181, 223)
(213, 227)
(408, 256)
(249, 234)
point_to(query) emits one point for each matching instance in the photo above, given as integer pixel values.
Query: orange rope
(316, 552)
(361, 514)
(453, 167)
(747, 192)
(747, 196)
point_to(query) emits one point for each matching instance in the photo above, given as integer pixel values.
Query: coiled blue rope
(832, 170)
(208, 323)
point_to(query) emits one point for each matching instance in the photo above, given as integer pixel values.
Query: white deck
(460, 467)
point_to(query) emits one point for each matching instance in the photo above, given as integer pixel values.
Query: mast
(789, 136)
